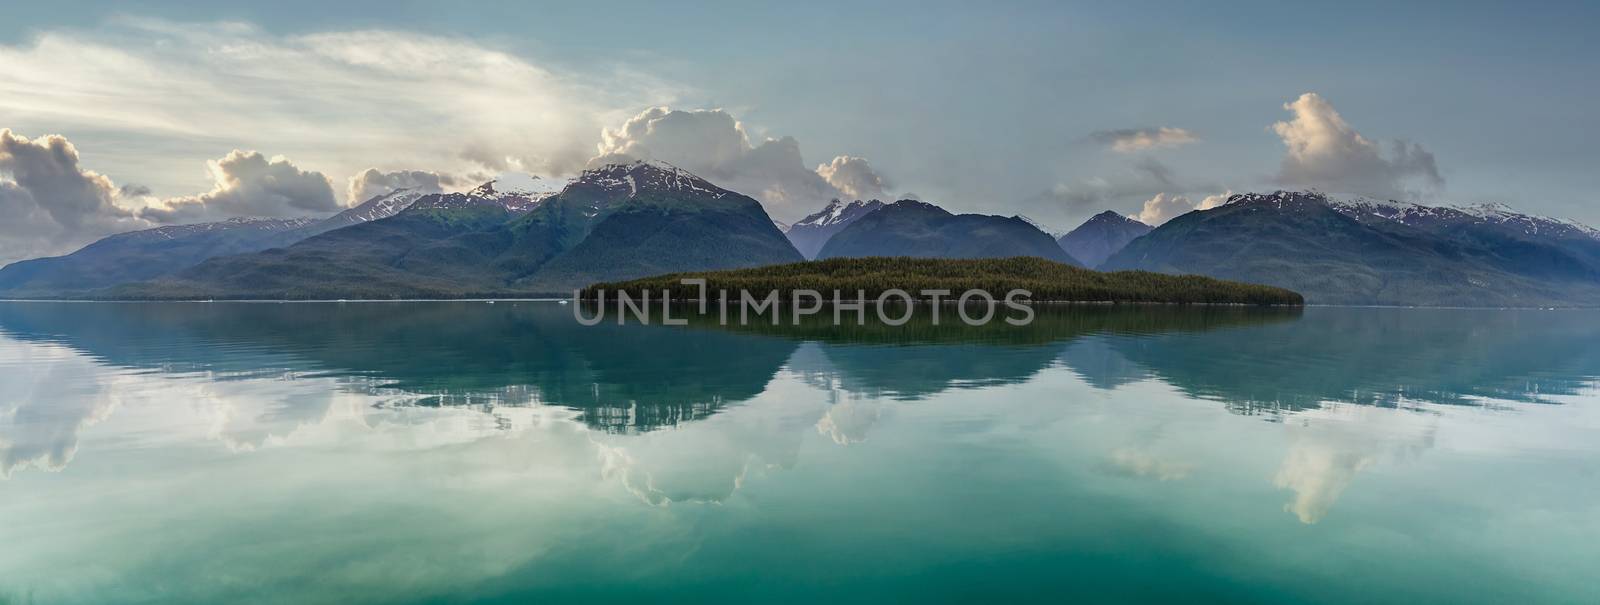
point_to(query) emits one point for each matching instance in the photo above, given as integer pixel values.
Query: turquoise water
(469, 452)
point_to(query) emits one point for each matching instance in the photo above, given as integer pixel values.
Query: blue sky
(976, 107)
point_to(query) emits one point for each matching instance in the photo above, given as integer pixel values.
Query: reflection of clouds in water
(1146, 463)
(1330, 446)
(852, 412)
(847, 422)
(39, 425)
(56, 392)
(711, 459)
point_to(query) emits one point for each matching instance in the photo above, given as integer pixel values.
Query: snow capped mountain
(237, 224)
(378, 207)
(1355, 250)
(1429, 217)
(839, 213)
(517, 183)
(812, 232)
(518, 193)
(518, 196)
(646, 175)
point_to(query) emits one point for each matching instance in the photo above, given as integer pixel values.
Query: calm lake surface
(473, 452)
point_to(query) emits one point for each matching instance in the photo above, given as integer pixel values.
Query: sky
(123, 115)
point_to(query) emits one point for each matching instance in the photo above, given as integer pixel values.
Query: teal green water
(469, 452)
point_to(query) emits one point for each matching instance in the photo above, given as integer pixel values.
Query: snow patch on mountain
(647, 175)
(171, 232)
(1419, 215)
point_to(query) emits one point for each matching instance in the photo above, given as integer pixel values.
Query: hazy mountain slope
(1101, 236)
(919, 229)
(152, 253)
(421, 252)
(141, 255)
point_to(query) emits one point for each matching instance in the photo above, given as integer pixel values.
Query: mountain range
(614, 222)
(1363, 251)
(626, 221)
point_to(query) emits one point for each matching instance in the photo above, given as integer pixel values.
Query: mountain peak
(917, 205)
(524, 185)
(1113, 217)
(1036, 224)
(838, 212)
(647, 175)
(1100, 237)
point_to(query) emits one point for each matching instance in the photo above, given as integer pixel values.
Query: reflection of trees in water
(632, 378)
(625, 378)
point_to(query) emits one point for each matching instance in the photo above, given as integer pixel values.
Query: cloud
(372, 182)
(854, 177)
(1325, 152)
(1165, 207)
(1129, 140)
(41, 431)
(848, 421)
(1143, 178)
(246, 183)
(1214, 200)
(335, 100)
(49, 204)
(1329, 448)
(712, 144)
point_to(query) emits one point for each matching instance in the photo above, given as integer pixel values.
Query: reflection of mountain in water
(920, 358)
(623, 378)
(630, 378)
(1384, 357)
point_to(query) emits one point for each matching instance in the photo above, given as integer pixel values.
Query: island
(1044, 280)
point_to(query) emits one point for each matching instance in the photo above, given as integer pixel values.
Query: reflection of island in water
(636, 377)
(633, 378)
(630, 378)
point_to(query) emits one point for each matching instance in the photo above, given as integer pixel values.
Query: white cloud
(1332, 446)
(712, 144)
(1142, 179)
(854, 177)
(1129, 140)
(49, 204)
(1163, 208)
(1214, 200)
(1325, 152)
(372, 182)
(249, 184)
(334, 101)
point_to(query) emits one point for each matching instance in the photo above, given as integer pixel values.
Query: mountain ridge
(1341, 251)
(812, 232)
(1101, 236)
(613, 222)
(920, 229)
